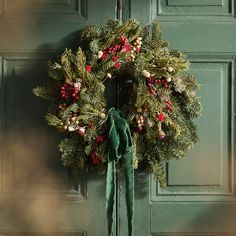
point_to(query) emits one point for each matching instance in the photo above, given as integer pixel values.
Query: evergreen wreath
(162, 97)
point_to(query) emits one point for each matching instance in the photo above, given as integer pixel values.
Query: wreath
(156, 123)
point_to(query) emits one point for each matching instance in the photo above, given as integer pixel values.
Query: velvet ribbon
(120, 147)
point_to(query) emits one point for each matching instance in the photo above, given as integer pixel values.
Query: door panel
(200, 195)
(37, 197)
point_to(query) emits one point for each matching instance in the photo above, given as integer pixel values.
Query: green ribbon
(120, 147)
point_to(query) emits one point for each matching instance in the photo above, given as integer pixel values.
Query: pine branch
(44, 92)
(53, 120)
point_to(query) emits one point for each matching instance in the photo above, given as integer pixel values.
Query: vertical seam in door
(117, 190)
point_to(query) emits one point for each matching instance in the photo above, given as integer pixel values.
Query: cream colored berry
(102, 115)
(170, 68)
(146, 74)
(100, 54)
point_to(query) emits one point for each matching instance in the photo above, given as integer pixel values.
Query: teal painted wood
(199, 199)
(36, 197)
(200, 196)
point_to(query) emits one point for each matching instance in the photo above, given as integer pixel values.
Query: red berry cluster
(68, 91)
(95, 157)
(168, 106)
(164, 83)
(100, 138)
(123, 47)
(111, 50)
(123, 40)
(152, 82)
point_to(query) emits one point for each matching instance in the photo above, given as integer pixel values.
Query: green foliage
(53, 120)
(44, 92)
(159, 172)
(73, 154)
(160, 85)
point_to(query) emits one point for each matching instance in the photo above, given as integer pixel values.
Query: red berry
(117, 65)
(123, 39)
(114, 58)
(126, 48)
(165, 85)
(88, 68)
(95, 157)
(104, 56)
(152, 92)
(100, 139)
(160, 117)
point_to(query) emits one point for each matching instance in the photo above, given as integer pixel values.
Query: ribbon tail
(110, 197)
(129, 181)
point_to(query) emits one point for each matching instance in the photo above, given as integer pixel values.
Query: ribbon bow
(120, 147)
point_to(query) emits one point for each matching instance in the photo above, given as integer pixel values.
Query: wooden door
(36, 197)
(200, 195)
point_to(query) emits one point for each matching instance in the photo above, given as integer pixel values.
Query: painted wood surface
(200, 196)
(36, 196)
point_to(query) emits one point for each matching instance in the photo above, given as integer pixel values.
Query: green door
(200, 196)
(36, 197)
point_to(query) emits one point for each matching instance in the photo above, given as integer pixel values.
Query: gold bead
(103, 115)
